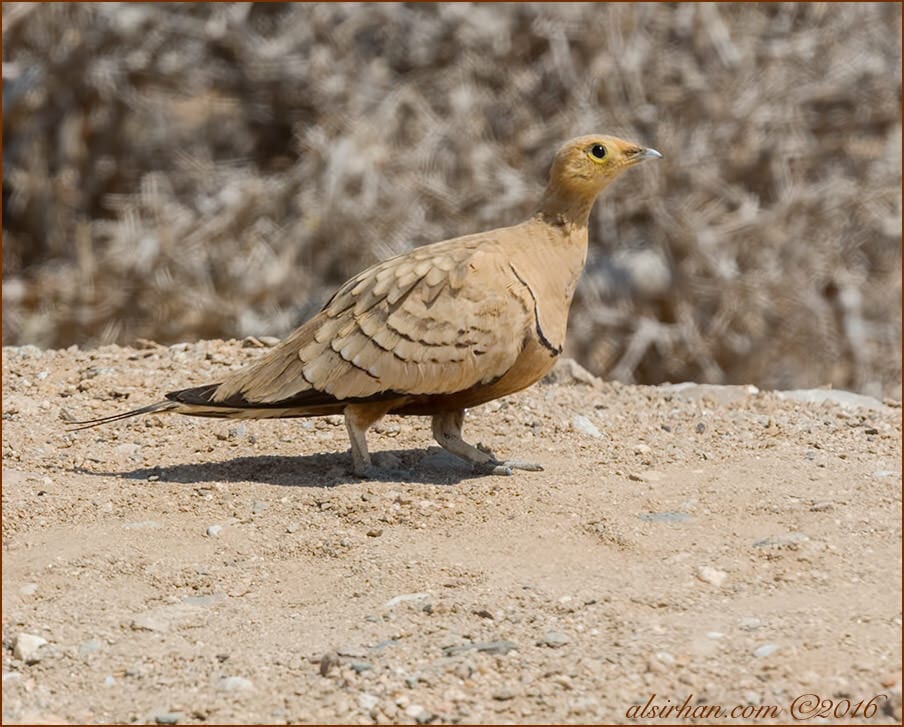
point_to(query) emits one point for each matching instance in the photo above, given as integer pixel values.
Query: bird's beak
(639, 154)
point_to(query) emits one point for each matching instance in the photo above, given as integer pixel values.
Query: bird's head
(583, 167)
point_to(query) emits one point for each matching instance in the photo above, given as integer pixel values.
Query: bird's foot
(506, 469)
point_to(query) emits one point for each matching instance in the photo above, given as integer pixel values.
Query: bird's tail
(160, 406)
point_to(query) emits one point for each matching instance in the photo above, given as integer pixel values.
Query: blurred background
(176, 171)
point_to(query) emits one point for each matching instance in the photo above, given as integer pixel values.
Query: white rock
(214, 531)
(367, 701)
(710, 575)
(235, 684)
(585, 426)
(765, 650)
(28, 589)
(396, 600)
(27, 646)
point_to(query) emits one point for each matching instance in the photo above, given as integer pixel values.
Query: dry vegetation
(181, 171)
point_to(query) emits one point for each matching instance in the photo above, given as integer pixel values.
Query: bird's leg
(358, 419)
(447, 431)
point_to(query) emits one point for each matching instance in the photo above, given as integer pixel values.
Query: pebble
(374, 533)
(235, 684)
(418, 713)
(585, 426)
(214, 531)
(89, 647)
(765, 650)
(503, 694)
(714, 635)
(777, 541)
(404, 597)
(109, 681)
(487, 647)
(28, 589)
(27, 647)
(750, 624)
(292, 528)
(258, 506)
(710, 575)
(824, 506)
(167, 717)
(359, 666)
(555, 639)
(147, 622)
(367, 701)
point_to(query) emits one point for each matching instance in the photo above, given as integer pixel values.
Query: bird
(434, 331)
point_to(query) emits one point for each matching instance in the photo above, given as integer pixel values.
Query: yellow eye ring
(597, 153)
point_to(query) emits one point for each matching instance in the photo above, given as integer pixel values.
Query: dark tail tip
(150, 409)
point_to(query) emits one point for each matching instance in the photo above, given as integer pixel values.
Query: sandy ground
(690, 547)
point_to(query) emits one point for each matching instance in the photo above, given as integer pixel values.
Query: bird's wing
(437, 320)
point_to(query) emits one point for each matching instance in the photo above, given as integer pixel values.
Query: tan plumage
(437, 330)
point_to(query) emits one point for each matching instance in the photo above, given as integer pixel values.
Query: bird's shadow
(433, 467)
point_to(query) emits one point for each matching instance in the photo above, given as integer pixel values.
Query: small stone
(418, 713)
(28, 589)
(823, 506)
(167, 717)
(487, 647)
(503, 694)
(714, 635)
(778, 541)
(258, 506)
(585, 426)
(147, 622)
(327, 662)
(396, 600)
(109, 681)
(27, 647)
(713, 576)
(89, 647)
(750, 624)
(765, 650)
(359, 666)
(235, 684)
(367, 701)
(374, 533)
(700, 428)
(642, 448)
(555, 639)
(214, 531)
(292, 528)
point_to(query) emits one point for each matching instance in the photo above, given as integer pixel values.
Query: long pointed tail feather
(150, 409)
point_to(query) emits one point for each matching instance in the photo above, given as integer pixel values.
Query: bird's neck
(566, 208)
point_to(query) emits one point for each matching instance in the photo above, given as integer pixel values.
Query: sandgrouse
(434, 331)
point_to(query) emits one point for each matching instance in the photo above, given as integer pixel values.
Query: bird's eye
(597, 152)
